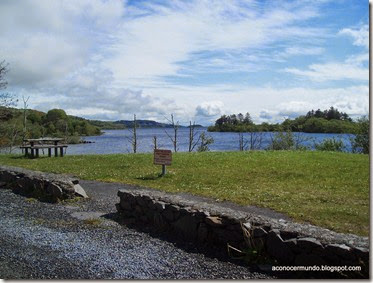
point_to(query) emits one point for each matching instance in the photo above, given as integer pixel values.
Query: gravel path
(81, 241)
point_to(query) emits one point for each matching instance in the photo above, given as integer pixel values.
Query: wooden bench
(34, 148)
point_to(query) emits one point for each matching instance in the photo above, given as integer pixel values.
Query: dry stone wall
(284, 241)
(44, 186)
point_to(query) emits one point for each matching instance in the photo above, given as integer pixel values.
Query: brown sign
(162, 157)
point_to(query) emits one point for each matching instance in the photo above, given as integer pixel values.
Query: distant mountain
(144, 124)
(123, 124)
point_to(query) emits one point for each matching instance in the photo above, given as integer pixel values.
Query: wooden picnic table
(44, 143)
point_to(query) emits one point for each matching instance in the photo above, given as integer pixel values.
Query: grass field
(324, 188)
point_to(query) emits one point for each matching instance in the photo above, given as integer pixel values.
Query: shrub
(282, 141)
(361, 141)
(330, 145)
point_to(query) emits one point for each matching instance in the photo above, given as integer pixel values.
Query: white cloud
(210, 109)
(332, 71)
(360, 35)
(154, 45)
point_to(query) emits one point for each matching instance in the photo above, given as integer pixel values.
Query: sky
(198, 60)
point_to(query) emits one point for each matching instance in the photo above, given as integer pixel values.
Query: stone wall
(201, 222)
(44, 186)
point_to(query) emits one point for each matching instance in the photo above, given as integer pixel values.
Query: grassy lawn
(324, 188)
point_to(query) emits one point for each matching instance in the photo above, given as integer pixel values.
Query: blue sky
(196, 59)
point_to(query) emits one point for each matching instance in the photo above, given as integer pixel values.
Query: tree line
(327, 121)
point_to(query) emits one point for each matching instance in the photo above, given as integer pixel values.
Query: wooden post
(49, 151)
(32, 152)
(61, 151)
(55, 151)
(163, 169)
(37, 152)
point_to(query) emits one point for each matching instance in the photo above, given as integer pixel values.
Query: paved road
(81, 241)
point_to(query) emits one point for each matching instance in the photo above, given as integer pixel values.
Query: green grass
(324, 188)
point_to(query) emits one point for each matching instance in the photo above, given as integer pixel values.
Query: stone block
(259, 232)
(54, 190)
(160, 206)
(342, 251)
(308, 260)
(308, 244)
(214, 221)
(278, 249)
(186, 226)
(125, 205)
(287, 235)
(168, 214)
(202, 233)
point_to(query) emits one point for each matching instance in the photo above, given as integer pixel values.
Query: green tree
(361, 141)
(55, 114)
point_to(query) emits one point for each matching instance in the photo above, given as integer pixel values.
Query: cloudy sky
(110, 59)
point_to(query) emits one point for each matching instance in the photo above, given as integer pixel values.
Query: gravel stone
(45, 241)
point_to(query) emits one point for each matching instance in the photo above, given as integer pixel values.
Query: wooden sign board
(162, 157)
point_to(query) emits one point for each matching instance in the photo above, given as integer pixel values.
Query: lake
(118, 141)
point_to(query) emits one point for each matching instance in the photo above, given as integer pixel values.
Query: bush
(361, 141)
(330, 145)
(282, 141)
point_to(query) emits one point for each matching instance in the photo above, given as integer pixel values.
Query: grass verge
(328, 189)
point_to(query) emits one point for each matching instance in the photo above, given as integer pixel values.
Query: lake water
(118, 141)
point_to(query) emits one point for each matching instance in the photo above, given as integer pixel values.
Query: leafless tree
(133, 137)
(25, 100)
(6, 99)
(175, 127)
(255, 140)
(155, 142)
(192, 136)
(242, 142)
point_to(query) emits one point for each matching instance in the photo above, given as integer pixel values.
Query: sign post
(162, 157)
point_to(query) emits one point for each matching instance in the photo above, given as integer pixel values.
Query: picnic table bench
(34, 145)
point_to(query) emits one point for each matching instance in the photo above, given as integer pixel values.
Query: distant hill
(123, 124)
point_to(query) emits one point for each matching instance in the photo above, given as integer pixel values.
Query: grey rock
(186, 226)
(287, 235)
(342, 251)
(125, 204)
(214, 221)
(308, 260)
(259, 232)
(168, 214)
(202, 233)
(308, 244)
(278, 249)
(54, 190)
(361, 253)
(79, 191)
(160, 206)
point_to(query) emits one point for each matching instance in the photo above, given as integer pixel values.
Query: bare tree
(175, 127)
(192, 136)
(6, 99)
(255, 140)
(25, 100)
(133, 137)
(242, 142)
(155, 142)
